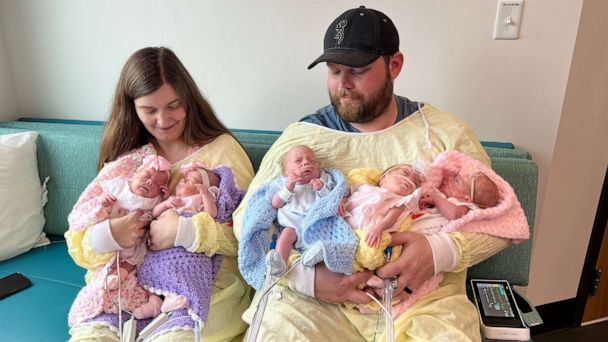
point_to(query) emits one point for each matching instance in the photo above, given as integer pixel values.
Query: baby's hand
(107, 200)
(428, 198)
(317, 184)
(292, 179)
(342, 207)
(202, 188)
(372, 238)
(426, 202)
(174, 202)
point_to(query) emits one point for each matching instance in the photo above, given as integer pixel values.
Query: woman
(158, 109)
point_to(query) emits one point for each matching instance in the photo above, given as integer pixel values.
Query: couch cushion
(43, 306)
(21, 195)
(68, 155)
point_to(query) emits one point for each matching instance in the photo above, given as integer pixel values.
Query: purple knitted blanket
(230, 196)
(175, 270)
(178, 271)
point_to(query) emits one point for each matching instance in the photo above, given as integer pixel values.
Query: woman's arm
(125, 231)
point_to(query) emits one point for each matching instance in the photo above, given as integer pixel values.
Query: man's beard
(365, 110)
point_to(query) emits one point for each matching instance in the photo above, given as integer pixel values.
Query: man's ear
(395, 64)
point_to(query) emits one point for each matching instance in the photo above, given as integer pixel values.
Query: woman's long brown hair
(144, 72)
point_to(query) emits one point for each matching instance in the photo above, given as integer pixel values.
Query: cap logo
(340, 31)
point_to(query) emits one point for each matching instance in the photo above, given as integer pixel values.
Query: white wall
(578, 166)
(8, 99)
(250, 57)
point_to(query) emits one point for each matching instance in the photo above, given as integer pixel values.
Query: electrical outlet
(508, 19)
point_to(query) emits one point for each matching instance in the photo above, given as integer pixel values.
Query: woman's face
(162, 113)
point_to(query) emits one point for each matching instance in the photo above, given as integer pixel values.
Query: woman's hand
(337, 288)
(128, 230)
(163, 230)
(415, 264)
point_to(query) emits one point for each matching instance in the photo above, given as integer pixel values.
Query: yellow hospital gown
(446, 314)
(230, 294)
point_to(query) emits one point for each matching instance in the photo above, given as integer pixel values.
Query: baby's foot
(112, 282)
(149, 309)
(173, 303)
(313, 255)
(275, 263)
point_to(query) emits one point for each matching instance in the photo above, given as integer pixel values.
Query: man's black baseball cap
(358, 37)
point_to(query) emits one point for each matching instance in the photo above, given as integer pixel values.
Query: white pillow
(21, 215)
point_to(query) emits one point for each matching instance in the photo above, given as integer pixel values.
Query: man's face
(360, 94)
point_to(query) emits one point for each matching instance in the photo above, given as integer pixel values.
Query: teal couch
(67, 152)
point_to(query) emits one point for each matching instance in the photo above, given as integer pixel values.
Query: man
(361, 49)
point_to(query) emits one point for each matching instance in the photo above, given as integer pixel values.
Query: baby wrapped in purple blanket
(184, 278)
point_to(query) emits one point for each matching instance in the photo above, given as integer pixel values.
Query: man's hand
(376, 287)
(336, 288)
(415, 264)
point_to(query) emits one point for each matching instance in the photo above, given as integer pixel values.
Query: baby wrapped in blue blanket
(305, 201)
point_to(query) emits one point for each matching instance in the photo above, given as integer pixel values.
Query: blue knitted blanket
(321, 225)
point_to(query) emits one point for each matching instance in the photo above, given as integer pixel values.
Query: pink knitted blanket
(505, 220)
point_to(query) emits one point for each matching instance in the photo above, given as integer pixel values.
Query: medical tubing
(388, 319)
(261, 307)
(427, 132)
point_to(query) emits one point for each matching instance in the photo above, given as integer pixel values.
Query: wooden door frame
(593, 252)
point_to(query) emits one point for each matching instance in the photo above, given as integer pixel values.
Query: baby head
(194, 176)
(150, 179)
(300, 161)
(477, 188)
(401, 179)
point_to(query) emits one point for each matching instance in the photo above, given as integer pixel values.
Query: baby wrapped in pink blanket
(492, 208)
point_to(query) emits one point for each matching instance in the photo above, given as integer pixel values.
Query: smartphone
(500, 317)
(13, 283)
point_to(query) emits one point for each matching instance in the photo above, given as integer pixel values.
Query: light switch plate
(508, 19)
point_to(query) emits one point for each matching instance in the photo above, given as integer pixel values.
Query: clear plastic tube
(388, 319)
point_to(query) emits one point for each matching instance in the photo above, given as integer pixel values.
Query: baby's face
(458, 186)
(301, 161)
(189, 184)
(401, 180)
(148, 182)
